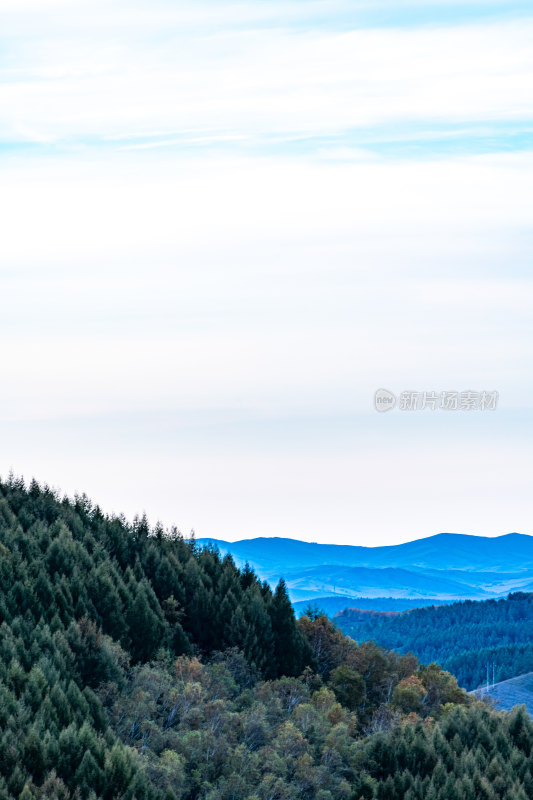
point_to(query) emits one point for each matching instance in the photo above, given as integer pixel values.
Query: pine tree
(89, 776)
(291, 652)
(118, 772)
(34, 755)
(145, 626)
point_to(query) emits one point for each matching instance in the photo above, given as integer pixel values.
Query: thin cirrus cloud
(225, 225)
(218, 82)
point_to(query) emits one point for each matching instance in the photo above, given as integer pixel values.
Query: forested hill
(462, 637)
(136, 666)
(66, 560)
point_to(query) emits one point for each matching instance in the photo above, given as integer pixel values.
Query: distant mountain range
(447, 566)
(331, 605)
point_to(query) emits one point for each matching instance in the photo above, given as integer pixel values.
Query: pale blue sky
(224, 225)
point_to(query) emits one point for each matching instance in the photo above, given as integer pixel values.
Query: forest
(463, 637)
(136, 665)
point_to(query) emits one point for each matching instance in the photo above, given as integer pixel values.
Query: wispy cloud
(225, 225)
(81, 85)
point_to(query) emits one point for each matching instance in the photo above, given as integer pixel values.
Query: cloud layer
(223, 227)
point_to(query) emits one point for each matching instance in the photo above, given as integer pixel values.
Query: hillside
(331, 604)
(462, 637)
(514, 692)
(391, 581)
(137, 666)
(442, 567)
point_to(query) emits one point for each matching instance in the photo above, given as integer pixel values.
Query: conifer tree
(291, 651)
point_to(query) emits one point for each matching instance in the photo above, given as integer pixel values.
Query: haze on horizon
(442, 534)
(224, 228)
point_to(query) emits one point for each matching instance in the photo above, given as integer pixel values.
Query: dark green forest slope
(134, 665)
(462, 637)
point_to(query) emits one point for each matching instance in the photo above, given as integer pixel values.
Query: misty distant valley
(444, 567)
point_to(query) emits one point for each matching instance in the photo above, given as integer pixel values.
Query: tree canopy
(135, 665)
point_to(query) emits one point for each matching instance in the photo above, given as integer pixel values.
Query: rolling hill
(507, 694)
(462, 637)
(442, 567)
(391, 581)
(136, 665)
(512, 552)
(333, 603)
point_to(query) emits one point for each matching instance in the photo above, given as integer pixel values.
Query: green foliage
(136, 666)
(462, 637)
(200, 735)
(348, 685)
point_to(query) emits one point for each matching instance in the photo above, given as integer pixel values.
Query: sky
(224, 226)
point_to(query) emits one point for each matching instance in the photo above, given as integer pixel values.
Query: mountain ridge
(442, 566)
